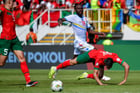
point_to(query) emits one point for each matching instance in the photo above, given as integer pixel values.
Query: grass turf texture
(12, 81)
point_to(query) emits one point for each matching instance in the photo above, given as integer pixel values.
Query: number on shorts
(5, 51)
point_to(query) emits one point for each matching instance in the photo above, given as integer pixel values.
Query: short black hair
(31, 29)
(108, 62)
(4, 1)
(76, 5)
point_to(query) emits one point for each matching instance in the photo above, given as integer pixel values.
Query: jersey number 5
(5, 51)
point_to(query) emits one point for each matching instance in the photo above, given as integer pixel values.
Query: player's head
(9, 3)
(31, 29)
(5, 1)
(78, 9)
(108, 62)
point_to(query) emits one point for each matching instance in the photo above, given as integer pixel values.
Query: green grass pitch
(12, 81)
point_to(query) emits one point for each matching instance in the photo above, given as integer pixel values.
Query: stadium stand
(48, 38)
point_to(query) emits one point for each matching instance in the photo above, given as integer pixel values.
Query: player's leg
(54, 69)
(18, 51)
(24, 68)
(2, 60)
(84, 46)
(80, 59)
(100, 75)
(4, 51)
(85, 75)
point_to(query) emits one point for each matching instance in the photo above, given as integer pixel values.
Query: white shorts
(80, 46)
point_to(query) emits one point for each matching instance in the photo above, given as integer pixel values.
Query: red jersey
(100, 56)
(8, 24)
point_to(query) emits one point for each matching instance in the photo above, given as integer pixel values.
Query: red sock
(25, 71)
(64, 64)
(90, 76)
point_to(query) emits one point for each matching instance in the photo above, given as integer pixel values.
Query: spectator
(130, 4)
(18, 5)
(61, 5)
(33, 6)
(101, 2)
(34, 1)
(51, 4)
(137, 7)
(35, 13)
(125, 16)
(123, 4)
(31, 37)
(27, 4)
(86, 4)
(68, 4)
(43, 6)
(108, 4)
(94, 4)
(116, 4)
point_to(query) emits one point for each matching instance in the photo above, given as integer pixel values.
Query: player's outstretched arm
(95, 73)
(126, 67)
(93, 32)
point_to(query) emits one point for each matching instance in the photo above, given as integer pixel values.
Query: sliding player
(102, 58)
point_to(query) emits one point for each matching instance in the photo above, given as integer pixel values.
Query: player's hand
(122, 82)
(60, 22)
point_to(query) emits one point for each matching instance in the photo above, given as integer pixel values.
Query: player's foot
(105, 78)
(31, 84)
(82, 76)
(52, 73)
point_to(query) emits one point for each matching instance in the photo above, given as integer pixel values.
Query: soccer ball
(57, 86)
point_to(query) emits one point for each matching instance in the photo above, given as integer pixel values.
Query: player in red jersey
(9, 41)
(100, 59)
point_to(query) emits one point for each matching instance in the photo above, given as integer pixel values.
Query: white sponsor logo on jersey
(118, 59)
(97, 64)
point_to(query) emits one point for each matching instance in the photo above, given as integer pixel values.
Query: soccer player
(101, 59)
(9, 41)
(80, 26)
